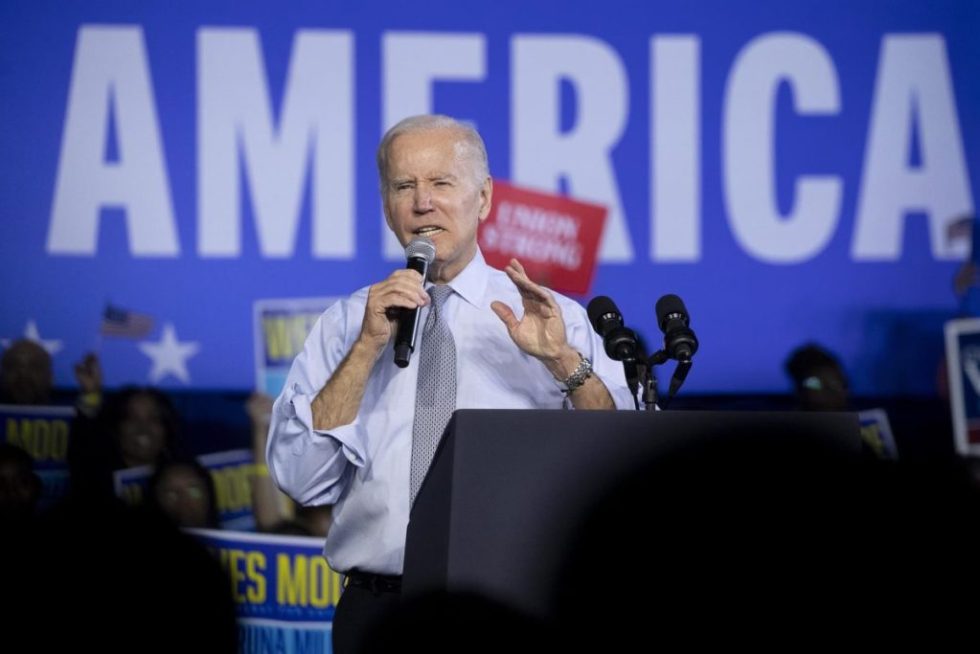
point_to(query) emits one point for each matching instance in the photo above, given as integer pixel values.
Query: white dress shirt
(363, 467)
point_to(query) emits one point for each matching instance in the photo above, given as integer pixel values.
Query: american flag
(125, 324)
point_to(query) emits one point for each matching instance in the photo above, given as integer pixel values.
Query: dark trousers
(359, 612)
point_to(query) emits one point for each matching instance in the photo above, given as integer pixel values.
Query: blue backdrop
(791, 169)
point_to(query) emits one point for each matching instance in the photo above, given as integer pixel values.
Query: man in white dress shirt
(341, 431)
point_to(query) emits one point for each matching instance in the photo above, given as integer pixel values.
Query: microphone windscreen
(599, 307)
(670, 305)
(421, 247)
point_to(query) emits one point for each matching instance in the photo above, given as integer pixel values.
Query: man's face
(431, 191)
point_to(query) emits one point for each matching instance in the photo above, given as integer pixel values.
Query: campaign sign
(231, 472)
(284, 591)
(43, 432)
(131, 484)
(876, 433)
(963, 366)
(554, 237)
(280, 330)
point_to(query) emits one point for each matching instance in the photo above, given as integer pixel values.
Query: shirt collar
(471, 283)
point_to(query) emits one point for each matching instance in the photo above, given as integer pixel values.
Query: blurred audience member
(183, 492)
(20, 488)
(134, 427)
(966, 281)
(88, 374)
(818, 378)
(143, 423)
(966, 285)
(116, 579)
(820, 384)
(26, 375)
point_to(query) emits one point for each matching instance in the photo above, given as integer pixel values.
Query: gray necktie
(435, 398)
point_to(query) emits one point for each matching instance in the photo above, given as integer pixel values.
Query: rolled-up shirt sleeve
(313, 466)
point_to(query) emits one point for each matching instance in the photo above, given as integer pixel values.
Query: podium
(508, 489)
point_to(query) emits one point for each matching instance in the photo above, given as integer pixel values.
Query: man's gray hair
(469, 145)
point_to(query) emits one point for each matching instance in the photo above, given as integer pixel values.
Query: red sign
(554, 237)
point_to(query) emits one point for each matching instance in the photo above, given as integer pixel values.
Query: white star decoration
(169, 355)
(31, 334)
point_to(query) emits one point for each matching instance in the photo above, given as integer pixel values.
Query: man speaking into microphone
(353, 429)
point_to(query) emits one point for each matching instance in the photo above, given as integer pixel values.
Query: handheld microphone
(420, 253)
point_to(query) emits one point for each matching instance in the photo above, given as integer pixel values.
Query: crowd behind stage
(690, 540)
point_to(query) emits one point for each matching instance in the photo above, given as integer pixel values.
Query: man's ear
(486, 198)
(385, 209)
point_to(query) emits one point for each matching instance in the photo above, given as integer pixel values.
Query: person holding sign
(353, 429)
(132, 428)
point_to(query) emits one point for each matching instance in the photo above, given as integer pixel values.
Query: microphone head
(599, 308)
(421, 247)
(670, 306)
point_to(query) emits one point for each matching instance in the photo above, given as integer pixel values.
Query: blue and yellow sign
(43, 432)
(231, 473)
(284, 590)
(281, 328)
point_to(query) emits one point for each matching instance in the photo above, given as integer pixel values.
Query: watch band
(575, 380)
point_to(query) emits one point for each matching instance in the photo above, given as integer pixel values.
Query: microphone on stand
(680, 343)
(419, 253)
(619, 341)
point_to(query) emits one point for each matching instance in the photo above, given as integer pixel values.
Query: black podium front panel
(508, 489)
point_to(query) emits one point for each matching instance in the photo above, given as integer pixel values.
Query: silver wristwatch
(582, 372)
